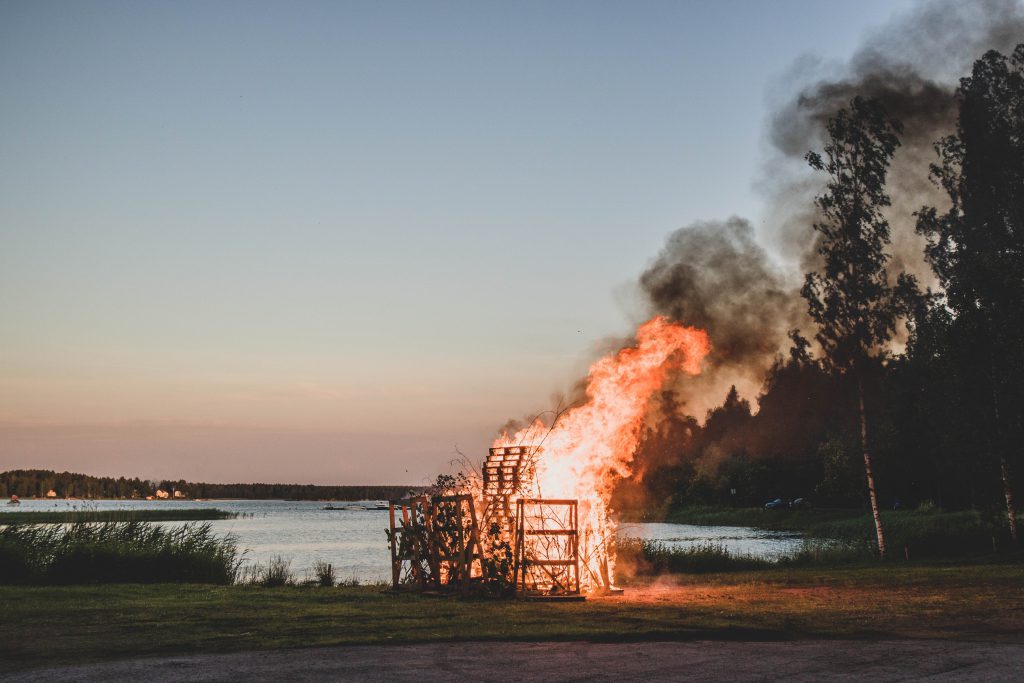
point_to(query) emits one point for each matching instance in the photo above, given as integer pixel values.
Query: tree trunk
(867, 469)
(1004, 468)
(1011, 512)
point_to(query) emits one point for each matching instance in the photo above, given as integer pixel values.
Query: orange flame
(592, 444)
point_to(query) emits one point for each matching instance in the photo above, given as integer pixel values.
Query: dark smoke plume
(912, 66)
(716, 275)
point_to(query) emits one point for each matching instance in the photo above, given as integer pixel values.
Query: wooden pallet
(547, 553)
(435, 541)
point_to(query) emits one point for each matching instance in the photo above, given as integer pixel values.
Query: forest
(847, 418)
(37, 483)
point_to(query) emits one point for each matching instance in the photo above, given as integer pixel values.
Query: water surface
(355, 543)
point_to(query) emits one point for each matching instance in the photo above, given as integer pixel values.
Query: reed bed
(116, 552)
(924, 532)
(87, 515)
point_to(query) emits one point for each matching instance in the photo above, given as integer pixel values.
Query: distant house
(51, 494)
(160, 493)
(180, 494)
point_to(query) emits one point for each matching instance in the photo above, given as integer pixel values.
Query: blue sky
(330, 241)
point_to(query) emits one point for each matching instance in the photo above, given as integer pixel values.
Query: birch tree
(850, 298)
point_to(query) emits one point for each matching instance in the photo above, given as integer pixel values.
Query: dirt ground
(813, 660)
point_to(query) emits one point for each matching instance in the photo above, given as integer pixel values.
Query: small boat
(14, 501)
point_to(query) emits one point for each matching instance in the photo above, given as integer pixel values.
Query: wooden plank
(548, 501)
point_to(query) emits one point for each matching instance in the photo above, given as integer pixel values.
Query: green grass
(115, 552)
(65, 624)
(71, 516)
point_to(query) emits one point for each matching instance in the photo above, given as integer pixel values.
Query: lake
(355, 543)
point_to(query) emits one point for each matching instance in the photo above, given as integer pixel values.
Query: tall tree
(976, 248)
(850, 299)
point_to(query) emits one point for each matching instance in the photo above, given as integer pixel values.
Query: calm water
(354, 540)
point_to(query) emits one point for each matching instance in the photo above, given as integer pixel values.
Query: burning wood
(560, 477)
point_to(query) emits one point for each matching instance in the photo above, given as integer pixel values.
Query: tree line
(853, 423)
(38, 483)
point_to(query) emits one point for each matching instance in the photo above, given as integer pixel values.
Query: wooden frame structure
(435, 542)
(547, 560)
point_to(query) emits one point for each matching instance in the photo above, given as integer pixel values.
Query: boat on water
(359, 505)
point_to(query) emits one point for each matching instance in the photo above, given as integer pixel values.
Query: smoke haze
(716, 275)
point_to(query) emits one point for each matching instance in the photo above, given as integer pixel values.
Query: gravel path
(814, 660)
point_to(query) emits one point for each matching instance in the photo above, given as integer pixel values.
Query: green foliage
(842, 479)
(976, 248)
(115, 552)
(850, 299)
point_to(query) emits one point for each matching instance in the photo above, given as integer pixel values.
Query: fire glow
(590, 445)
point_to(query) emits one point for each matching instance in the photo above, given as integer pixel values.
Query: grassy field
(65, 624)
(72, 516)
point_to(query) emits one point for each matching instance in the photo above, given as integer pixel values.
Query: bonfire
(540, 509)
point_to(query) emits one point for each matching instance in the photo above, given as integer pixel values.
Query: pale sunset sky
(328, 242)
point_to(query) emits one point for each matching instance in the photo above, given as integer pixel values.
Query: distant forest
(37, 483)
(849, 421)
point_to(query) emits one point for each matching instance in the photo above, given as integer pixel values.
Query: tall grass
(275, 573)
(926, 532)
(830, 540)
(321, 574)
(116, 552)
(641, 557)
(87, 515)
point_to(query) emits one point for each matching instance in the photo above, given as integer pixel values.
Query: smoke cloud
(716, 274)
(912, 66)
(719, 276)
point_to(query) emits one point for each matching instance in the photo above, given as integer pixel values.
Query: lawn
(73, 624)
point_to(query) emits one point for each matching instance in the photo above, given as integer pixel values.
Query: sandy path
(818, 660)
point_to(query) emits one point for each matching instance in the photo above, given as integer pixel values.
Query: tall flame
(591, 444)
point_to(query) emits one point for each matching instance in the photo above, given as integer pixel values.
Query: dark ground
(814, 660)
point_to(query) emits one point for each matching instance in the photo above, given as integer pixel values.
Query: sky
(340, 242)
